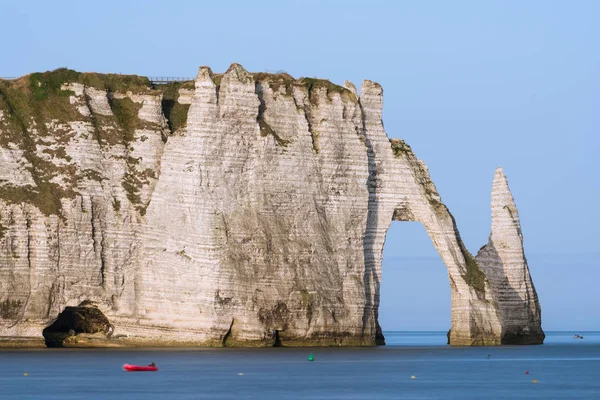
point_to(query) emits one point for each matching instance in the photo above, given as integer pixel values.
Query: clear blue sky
(470, 85)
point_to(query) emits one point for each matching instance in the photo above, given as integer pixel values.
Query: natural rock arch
(400, 189)
(260, 220)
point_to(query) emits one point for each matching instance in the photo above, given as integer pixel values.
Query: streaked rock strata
(238, 210)
(503, 260)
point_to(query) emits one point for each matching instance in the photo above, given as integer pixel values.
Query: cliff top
(42, 84)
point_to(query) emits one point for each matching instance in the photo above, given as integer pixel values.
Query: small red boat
(130, 368)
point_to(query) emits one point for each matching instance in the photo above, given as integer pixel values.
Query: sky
(470, 85)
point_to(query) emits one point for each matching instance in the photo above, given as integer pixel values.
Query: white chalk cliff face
(503, 260)
(240, 210)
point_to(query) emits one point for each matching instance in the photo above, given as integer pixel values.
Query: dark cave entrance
(414, 292)
(85, 318)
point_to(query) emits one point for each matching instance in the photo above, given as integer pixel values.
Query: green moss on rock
(126, 114)
(175, 112)
(265, 128)
(276, 81)
(475, 277)
(217, 79)
(45, 84)
(117, 82)
(133, 181)
(400, 148)
(312, 84)
(25, 124)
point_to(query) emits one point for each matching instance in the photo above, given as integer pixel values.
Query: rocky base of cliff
(524, 338)
(82, 325)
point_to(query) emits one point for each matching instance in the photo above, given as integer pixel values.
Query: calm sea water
(564, 368)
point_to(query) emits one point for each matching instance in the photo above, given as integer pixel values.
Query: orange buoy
(526, 372)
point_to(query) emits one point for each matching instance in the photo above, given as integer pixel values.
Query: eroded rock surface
(236, 210)
(81, 325)
(504, 262)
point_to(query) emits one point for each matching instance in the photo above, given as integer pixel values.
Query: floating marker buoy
(25, 374)
(534, 381)
(240, 373)
(526, 372)
(413, 377)
(310, 357)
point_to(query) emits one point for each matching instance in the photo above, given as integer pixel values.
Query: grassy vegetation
(276, 81)
(133, 182)
(285, 80)
(265, 128)
(126, 114)
(30, 103)
(312, 84)
(36, 99)
(400, 148)
(44, 84)
(175, 113)
(474, 276)
(117, 82)
(217, 79)
(35, 106)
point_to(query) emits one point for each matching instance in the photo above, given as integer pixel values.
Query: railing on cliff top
(168, 79)
(152, 79)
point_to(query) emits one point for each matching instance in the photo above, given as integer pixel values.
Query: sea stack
(504, 262)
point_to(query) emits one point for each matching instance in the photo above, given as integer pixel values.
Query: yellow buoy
(534, 381)
(413, 377)
(25, 374)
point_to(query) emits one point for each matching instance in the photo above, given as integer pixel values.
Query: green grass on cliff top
(42, 84)
(34, 103)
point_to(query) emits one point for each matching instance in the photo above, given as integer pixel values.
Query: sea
(413, 365)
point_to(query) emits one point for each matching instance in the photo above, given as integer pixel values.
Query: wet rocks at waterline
(236, 209)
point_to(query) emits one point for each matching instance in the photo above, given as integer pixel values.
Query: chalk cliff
(236, 210)
(503, 260)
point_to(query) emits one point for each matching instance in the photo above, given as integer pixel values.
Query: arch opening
(414, 293)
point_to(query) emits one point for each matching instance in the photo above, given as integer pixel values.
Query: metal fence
(153, 79)
(168, 79)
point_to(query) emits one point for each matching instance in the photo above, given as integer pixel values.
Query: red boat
(129, 367)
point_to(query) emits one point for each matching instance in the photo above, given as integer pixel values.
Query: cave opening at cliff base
(415, 293)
